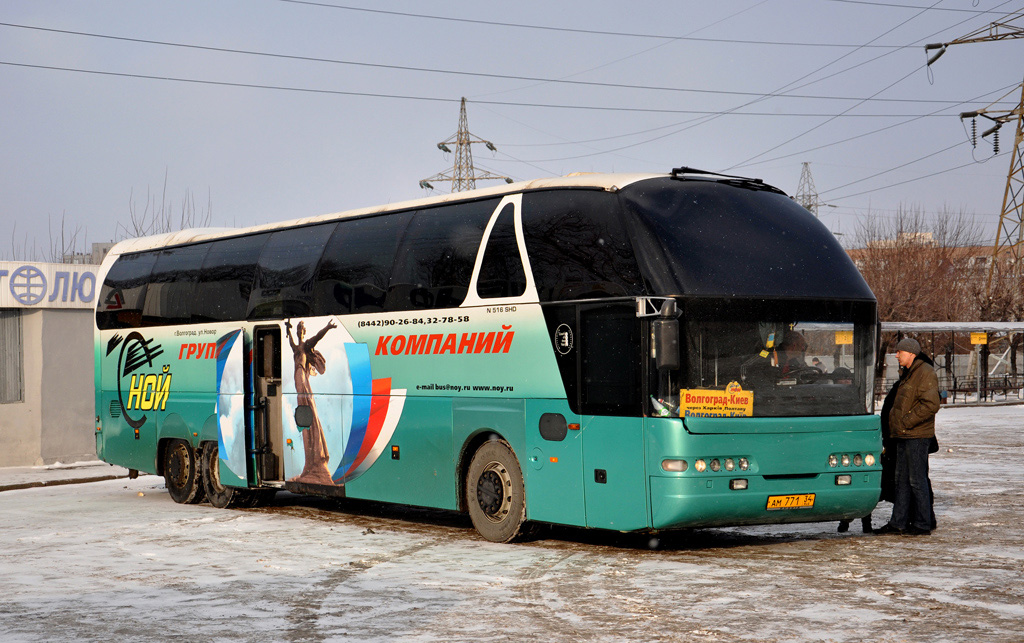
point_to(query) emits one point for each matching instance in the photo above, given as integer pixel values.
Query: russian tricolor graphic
(376, 409)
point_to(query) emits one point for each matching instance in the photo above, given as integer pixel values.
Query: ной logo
(147, 391)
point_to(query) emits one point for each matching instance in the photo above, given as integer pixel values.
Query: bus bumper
(678, 502)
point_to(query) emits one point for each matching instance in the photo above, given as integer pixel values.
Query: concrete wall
(54, 422)
(68, 429)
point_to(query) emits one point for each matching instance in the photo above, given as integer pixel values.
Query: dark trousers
(913, 503)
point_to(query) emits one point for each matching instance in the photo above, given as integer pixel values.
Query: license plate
(794, 501)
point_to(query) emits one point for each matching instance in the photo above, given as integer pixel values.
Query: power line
(977, 12)
(596, 32)
(337, 92)
(864, 134)
(748, 103)
(892, 169)
(892, 185)
(456, 72)
(743, 163)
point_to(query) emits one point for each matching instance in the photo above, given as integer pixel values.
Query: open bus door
(268, 432)
(232, 415)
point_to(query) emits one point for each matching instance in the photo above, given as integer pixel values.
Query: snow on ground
(118, 560)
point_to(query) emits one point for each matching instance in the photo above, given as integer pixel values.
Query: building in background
(46, 362)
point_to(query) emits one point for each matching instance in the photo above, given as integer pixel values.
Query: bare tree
(21, 251)
(920, 268)
(64, 243)
(157, 218)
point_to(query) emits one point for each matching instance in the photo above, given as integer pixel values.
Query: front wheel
(181, 473)
(495, 492)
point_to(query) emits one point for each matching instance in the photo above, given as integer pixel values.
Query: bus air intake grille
(115, 409)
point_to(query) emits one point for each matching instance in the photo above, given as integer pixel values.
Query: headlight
(869, 460)
(700, 466)
(833, 461)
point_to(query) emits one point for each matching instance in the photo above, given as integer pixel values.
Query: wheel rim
(493, 492)
(179, 467)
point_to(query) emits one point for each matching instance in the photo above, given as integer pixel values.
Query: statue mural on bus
(309, 362)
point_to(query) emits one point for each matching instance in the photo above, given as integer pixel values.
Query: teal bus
(633, 352)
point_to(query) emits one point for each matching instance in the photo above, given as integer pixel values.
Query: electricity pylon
(463, 174)
(806, 194)
(1010, 234)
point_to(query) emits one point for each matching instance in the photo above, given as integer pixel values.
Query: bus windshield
(789, 360)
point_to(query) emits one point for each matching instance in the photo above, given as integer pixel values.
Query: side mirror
(666, 337)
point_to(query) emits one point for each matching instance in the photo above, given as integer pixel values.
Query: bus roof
(599, 181)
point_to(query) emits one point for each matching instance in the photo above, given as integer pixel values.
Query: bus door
(268, 433)
(233, 410)
(554, 460)
(554, 444)
(610, 400)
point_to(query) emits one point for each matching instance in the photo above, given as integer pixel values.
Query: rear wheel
(224, 497)
(181, 473)
(495, 493)
(219, 495)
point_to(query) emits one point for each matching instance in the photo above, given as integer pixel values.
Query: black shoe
(888, 528)
(865, 525)
(844, 526)
(917, 531)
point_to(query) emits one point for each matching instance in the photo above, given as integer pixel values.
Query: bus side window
(435, 259)
(578, 245)
(284, 273)
(225, 282)
(124, 291)
(356, 266)
(171, 285)
(501, 270)
(610, 358)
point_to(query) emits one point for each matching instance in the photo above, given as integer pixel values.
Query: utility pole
(1010, 235)
(463, 175)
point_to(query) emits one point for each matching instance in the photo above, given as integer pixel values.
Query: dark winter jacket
(917, 401)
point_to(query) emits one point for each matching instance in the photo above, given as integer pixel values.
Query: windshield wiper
(680, 173)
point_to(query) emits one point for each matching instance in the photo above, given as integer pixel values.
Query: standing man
(912, 427)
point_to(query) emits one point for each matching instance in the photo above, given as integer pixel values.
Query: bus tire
(181, 473)
(495, 494)
(219, 495)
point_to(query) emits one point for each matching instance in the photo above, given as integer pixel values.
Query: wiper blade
(680, 173)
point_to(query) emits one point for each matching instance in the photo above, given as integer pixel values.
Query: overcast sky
(264, 110)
